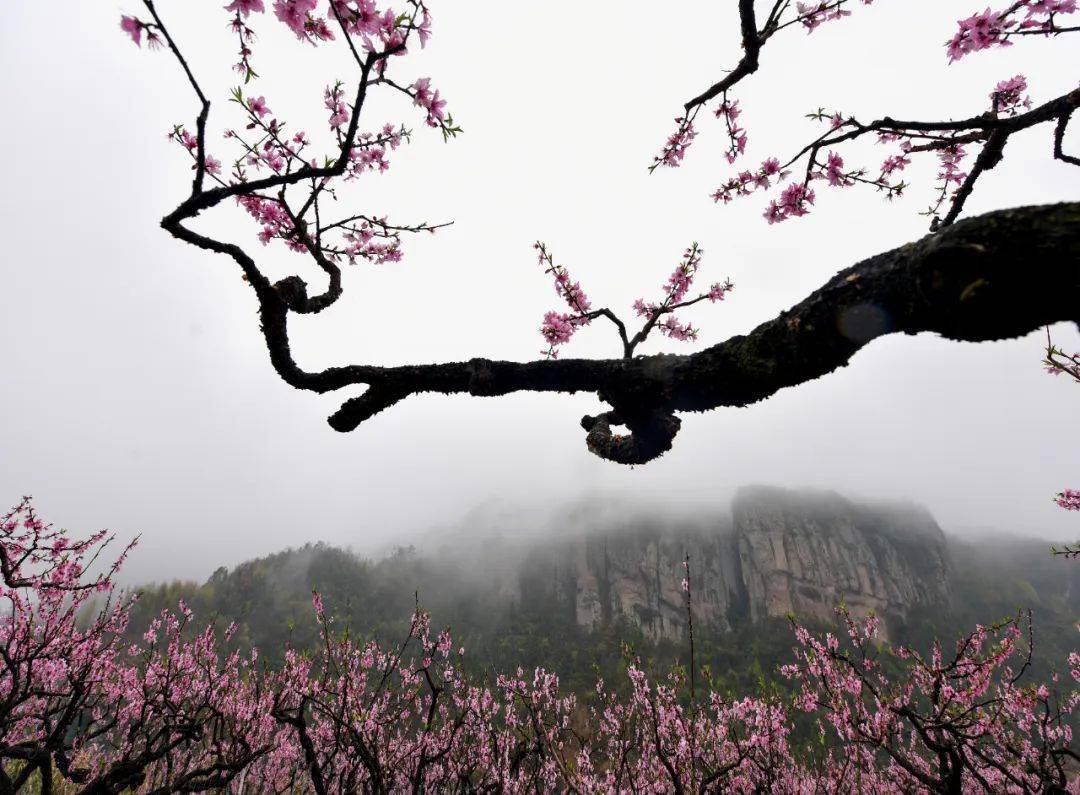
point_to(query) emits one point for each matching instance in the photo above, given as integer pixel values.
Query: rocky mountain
(805, 553)
(781, 553)
(568, 593)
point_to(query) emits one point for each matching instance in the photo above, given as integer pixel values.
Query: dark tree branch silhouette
(999, 275)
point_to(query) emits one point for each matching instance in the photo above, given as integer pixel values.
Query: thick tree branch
(991, 130)
(747, 65)
(999, 275)
(1059, 140)
(994, 276)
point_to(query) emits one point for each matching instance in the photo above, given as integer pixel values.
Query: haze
(137, 391)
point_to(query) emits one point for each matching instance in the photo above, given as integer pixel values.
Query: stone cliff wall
(804, 554)
(783, 552)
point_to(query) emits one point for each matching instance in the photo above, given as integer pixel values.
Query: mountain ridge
(573, 600)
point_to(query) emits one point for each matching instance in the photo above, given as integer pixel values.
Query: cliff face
(804, 554)
(635, 576)
(784, 552)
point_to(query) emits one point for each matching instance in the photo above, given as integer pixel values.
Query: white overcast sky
(137, 394)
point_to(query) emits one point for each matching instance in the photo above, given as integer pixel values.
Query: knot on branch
(482, 381)
(293, 291)
(650, 436)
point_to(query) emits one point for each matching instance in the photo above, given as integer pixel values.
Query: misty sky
(137, 390)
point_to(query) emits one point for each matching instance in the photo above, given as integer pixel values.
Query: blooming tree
(953, 723)
(559, 327)
(1009, 111)
(1058, 362)
(81, 709)
(80, 705)
(966, 275)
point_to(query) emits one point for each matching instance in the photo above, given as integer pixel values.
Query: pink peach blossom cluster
(989, 28)
(269, 151)
(980, 31)
(809, 16)
(559, 327)
(180, 712)
(1069, 499)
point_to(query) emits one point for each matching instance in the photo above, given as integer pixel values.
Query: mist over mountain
(574, 595)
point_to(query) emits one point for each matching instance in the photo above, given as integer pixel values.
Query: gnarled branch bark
(999, 275)
(994, 276)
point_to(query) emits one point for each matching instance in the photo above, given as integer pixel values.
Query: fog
(138, 394)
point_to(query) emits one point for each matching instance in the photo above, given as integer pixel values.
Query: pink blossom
(132, 27)
(335, 103)
(429, 99)
(423, 30)
(811, 15)
(744, 183)
(834, 171)
(995, 29)
(672, 328)
(895, 163)
(1047, 7)
(1069, 499)
(720, 289)
(793, 203)
(1008, 96)
(245, 7)
(677, 143)
(297, 16)
(729, 111)
(951, 160)
(258, 106)
(558, 328)
(977, 32)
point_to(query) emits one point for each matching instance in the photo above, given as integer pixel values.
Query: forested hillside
(579, 603)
